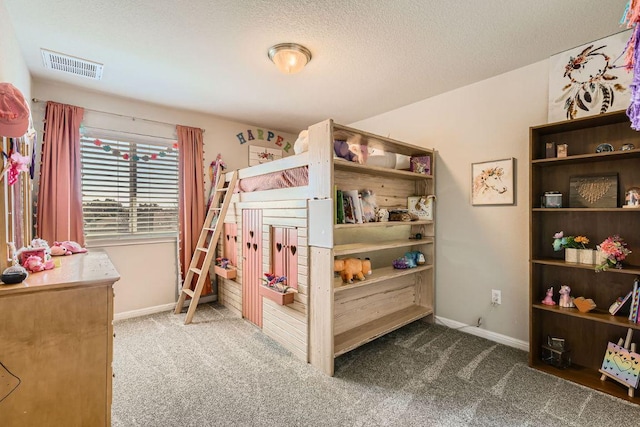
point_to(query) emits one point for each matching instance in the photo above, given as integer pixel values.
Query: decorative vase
(571, 255)
(601, 257)
(587, 256)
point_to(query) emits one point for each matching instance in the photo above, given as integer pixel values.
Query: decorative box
(420, 164)
(552, 199)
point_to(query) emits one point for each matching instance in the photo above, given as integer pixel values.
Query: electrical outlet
(496, 297)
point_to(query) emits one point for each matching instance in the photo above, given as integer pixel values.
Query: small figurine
(565, 297)
(548, 300)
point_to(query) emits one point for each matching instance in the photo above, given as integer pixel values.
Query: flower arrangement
(561, 242)
(615, 249)
(277, 283)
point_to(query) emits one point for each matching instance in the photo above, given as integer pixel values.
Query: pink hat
(14, 112)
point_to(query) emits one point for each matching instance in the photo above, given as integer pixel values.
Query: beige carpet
(222, 371)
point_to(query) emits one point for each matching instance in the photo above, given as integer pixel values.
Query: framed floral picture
(589, 79)
(493, 182)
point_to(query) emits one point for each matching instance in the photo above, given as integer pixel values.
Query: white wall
(149, 271)
(479, 248)
(13, 69)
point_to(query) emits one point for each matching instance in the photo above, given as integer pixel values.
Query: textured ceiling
(369, 56)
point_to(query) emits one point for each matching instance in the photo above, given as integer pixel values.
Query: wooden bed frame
(328, 318)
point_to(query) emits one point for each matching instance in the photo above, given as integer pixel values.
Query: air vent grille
(71, 64)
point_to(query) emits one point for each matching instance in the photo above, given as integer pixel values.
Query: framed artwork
(621, 364)
(259, 155)
(593, 191)
(422, 206)
(589, 79)
(493, 182)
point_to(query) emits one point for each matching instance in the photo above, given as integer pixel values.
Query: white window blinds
(129, 189)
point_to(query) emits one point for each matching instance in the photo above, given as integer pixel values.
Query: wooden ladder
(207, 244)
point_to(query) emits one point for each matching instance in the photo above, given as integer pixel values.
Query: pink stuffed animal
(34, 264)
(58, 250)
(72, 247)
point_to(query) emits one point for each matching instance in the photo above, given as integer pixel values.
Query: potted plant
(612, 251)
(276, 289)
(223, 268)
(572, 246)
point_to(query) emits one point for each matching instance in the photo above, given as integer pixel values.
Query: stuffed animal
(341, 149)
(72, 247)
(35, 264)
(302, 143)
(58, 250)
(350, 267)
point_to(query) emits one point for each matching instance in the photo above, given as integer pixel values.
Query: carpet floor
(223, 371)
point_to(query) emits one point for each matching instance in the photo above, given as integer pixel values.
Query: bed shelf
(354, 338)
(378, 275)
(356, 248)
(384, 224)
(346, 165)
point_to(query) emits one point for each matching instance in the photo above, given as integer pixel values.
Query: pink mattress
(295, 177)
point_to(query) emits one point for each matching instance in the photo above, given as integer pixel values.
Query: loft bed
(281, 220)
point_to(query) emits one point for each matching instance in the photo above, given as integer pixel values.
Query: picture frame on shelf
(493, 182)
(632, 198)
(422, 206)
(593, 191)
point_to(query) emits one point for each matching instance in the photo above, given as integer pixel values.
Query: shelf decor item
(593, 191)
(622, 364)
(573, 246)
(555, 353)
(493, 182)
(276, 289)
(422, 206)
(615, 249)
(632, 198)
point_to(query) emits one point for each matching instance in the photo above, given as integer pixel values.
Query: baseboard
(483, 333)
(158, 308)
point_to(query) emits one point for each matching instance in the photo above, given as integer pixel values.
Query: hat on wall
(14, 112)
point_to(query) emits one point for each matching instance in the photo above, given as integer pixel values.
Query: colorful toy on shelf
(565, 297)
(352, 267)
(548, 299)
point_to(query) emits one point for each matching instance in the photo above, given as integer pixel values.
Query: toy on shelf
(548, 299)
(584, 305)
(565, 298)
(352, 267)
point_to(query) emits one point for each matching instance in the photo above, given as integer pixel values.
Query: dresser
(56, 344)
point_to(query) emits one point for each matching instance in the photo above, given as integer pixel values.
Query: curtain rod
(36, 100)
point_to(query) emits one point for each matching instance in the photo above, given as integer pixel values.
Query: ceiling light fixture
(290, 58)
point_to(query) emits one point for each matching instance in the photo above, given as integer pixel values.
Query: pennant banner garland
(126, 156)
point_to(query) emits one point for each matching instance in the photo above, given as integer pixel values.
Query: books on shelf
(352, 207)
(619, 303)
(635, 303)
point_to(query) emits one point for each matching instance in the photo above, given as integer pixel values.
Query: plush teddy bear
(350, 267)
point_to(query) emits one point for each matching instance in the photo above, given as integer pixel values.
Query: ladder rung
(222, 189)
(196, 270)
(188, 292)
(203, 249)
(208, 229)
(214, 209)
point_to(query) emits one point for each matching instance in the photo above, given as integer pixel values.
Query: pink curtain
(191, 204)
(60, 194)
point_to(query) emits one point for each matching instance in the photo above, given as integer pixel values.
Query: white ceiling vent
(71, 64)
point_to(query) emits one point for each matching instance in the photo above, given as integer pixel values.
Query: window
(129, 189)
